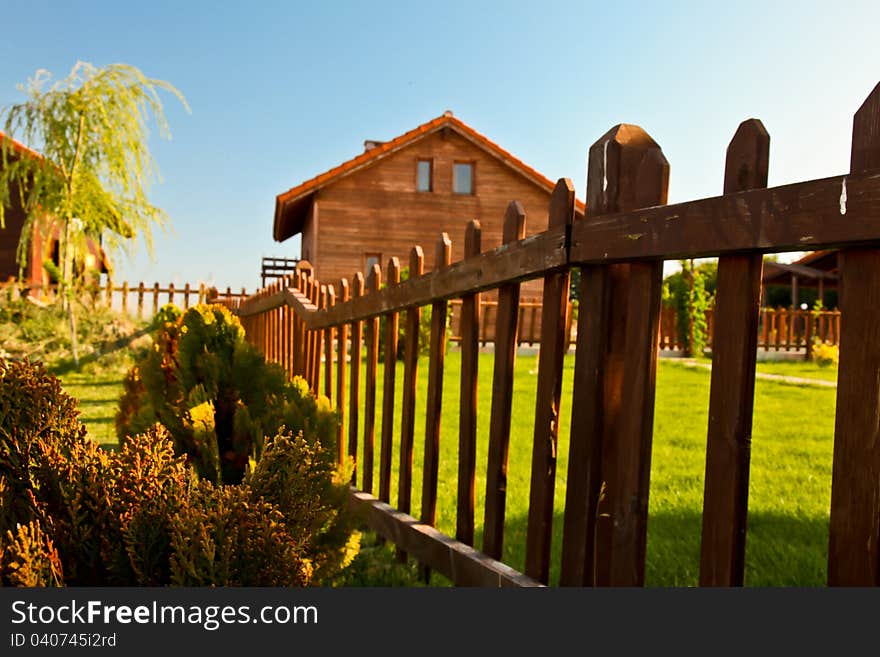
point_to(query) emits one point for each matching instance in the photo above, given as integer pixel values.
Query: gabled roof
(17, 146)
(292, 206)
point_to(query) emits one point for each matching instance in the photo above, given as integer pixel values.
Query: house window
(424, 177)
(463, 178)
(371, 259)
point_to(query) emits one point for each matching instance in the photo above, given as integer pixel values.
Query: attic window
(424, 182)
(463, 177)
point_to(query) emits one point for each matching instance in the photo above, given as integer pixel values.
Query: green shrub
(215, 394)
(28, 558)
(72, 513)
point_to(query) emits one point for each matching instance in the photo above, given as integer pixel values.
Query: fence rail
(619, 247)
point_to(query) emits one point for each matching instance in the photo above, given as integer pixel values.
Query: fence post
(469, 334)
(506, 316)
(615, 367)
(357, 289)
(391, 328)
(374, 282)
(330, 301)
(442, 258)
(410, 380)
(853, 552)
(155, 298)
(554, 343)
(171, 293)
(125, 297)
(732, 392)
(341, 355)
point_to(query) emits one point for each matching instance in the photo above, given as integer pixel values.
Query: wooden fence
(619, 248)
(140, 300)
(778, 329)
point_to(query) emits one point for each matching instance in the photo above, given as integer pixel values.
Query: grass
(790, 473)
(97, 391)
(799, 368)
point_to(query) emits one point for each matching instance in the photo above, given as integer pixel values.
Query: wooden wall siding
(608, 484)
(378, 210)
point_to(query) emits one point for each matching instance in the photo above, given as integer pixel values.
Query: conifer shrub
(74, 514)
(215, 394)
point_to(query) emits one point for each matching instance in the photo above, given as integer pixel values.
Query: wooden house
(406, 191)
(44, 243)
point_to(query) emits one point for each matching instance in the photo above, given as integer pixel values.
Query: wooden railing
(779, 329)
(141, 300)
(619, 248)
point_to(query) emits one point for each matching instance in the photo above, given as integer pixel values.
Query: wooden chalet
(44, 244)
(406, 191)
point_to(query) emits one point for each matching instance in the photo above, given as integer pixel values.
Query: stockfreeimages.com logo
(209, 617)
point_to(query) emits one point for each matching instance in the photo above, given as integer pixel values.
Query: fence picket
(341, 356)
(469, 330)
(732, 392)
(357, 290)
(442, 258)
(549, 390)
(391, 328)
(506, 319)
(410, 381)
(854, 543)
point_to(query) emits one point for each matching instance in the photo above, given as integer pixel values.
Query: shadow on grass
(781, 550)
(67, 365)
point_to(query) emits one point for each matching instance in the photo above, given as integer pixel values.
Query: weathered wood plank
(374, 282)
(554, 342)
(341, 357)
(410, 381)
(442, 257)
(357, 289)
(797, 217)
(854, 541)
(584, 482)
(469, 329)
(461, 563)
(626, 170)
(391, 329)
(329, 335)
(731, 401)
(502, 395)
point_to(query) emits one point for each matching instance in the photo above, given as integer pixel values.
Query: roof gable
(292, 205)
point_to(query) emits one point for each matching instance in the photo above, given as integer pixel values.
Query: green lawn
(790, 474)
(98, 393)
(798, 368)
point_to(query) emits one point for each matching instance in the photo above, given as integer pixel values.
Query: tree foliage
(91, 181)
(91, 129)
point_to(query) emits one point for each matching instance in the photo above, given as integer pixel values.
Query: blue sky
(282, 91)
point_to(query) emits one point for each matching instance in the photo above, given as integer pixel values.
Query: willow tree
(91, 182)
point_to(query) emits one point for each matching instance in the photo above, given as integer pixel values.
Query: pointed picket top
(443, 252)
(514, 223)
(626, 171)
(472, 238)
(374, 278)
(866, 134)
(393, 273)
(748, 157)
(343, 289)
(562, 204)
(416, 262)
(357, 284)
